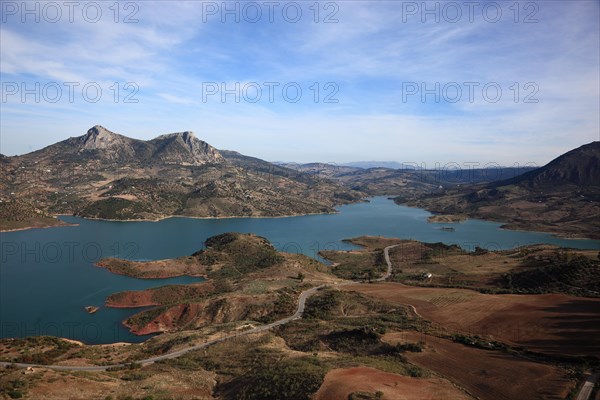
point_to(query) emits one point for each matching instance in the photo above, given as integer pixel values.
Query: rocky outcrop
(185, 149)
(181, 148)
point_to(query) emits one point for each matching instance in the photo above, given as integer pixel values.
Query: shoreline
(301, 302)
(505, 225)
(201, 276)
(39, 227)
(161, 218)
(150, 335)
(158, 219)
(193, 217)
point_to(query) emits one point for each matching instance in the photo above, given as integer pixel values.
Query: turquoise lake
(47, 276)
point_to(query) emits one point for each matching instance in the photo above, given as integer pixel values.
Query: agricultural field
(552, 323)
(486, 374)
(369, 383)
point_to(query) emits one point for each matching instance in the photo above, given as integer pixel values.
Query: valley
(300, 200)
(371, 317)
(105, 175)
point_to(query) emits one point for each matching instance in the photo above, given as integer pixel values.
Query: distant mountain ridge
(407, 182)
(377, 164)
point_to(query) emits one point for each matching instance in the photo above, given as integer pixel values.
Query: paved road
(386, 253)
(588, 386)
(297, 315)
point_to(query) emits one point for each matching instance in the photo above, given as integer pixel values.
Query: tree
(370, 275)
(300, 277)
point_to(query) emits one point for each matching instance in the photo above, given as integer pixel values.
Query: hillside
(17, 215)
(578, 168)
(106, 175)
(231, 337)
(225, 254)
(407, 181)
(247, 279)
(562, 197)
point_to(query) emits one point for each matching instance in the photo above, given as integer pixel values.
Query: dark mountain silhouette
(562, 197)
(579, 167)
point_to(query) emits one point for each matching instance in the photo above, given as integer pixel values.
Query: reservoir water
(47, 276)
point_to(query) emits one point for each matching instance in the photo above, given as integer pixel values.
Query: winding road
(297, 315)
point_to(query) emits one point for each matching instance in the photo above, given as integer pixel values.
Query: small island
(91, 309)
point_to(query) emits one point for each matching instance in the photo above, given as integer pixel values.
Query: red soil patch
(156, 296)
(550, 323)
(157, 269)
(131, 299)
(192, 315)
(340, 383)
(173, 318)
(489, 375)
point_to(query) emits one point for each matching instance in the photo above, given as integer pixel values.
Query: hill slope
(103, 174)
(578, 168)
(562, 197)
(408, 182)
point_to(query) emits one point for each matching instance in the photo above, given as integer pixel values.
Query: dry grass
(340, 383)
(158, 381)
(551, 323)
(489, 375)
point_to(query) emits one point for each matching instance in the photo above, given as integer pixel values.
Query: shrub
(289, 380)
(320, 306)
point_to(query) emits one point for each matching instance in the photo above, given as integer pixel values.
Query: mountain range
(106, 175)
(102, 174)
(406, 182)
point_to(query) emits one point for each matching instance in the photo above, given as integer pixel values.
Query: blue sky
(374, 58)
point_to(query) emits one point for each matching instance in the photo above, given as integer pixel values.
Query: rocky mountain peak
(101, 145)
(188, 136)
(97, 130)
(185, 149)
(98, 137)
